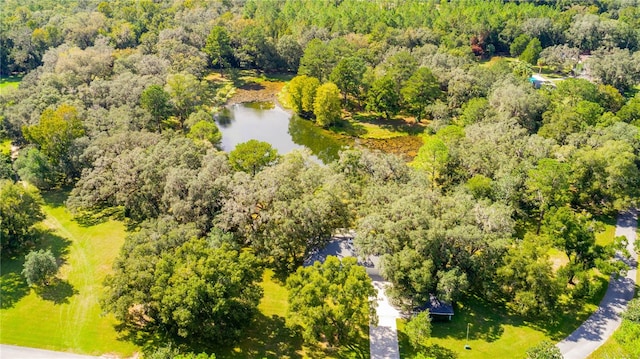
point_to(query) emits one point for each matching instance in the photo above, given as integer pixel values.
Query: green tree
(318, 60)
(606, 175)
(573, 233)
(309, 91)
(383, 97)
(527, 278)
(616, 67)
(301, 92)
(531, 53)
(288, 210)
(39, 267)
(474, 110)
(289, 51)
(327, 104)
(348, 75)
(20, 209)
(561, 58)
(630, 112)
(400, 67)
(420, 90)
(156, 100)
(432, 157)
(633, 311)
(33, 167)
(55, 132)
(519, 44)
(206, 294)
(186, 94)
(544, 350)
(205, 131)
(252, 156)
(418, 330)
(547, 186)
(169, 286)
(218, 47)
(331, 302)
(6, 166)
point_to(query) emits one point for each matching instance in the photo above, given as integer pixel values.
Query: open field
(66, 316)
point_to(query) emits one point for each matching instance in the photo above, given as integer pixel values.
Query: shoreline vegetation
(400, 136)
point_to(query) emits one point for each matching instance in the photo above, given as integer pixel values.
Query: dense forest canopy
(117, 102)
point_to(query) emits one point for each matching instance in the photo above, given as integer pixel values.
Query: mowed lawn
(66, 316)
(494, 333)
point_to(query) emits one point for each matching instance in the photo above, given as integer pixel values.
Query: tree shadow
(251, 86)
(393, 124)
(438, 352)
(56, 198)
(59, 246)
(429, 351)
(58, 292)
(13, 285)
(266, 337)
(90, 219)
(349, 128)
(12, 288)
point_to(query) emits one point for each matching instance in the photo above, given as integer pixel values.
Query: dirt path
(596, 330)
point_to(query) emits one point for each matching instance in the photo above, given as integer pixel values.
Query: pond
(264, 121)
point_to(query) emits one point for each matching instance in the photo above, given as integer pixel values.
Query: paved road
(599, 327)
(383, 338)
(14, 352)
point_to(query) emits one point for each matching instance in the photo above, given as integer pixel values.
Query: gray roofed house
(436, 308)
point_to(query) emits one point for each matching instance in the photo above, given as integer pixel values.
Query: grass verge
(66, 316)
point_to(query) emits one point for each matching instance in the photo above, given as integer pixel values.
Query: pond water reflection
(266, 122)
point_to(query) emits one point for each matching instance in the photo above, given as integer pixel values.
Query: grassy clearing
(9, 83)
(493, 332)
(368, 126)
(607, 234)
(66, 316)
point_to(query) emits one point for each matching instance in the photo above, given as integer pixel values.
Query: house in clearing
(437, 309)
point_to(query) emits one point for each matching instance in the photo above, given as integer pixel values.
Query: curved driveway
(601, 324)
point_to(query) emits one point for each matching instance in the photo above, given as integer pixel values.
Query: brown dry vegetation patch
(256, 92)
(405, 146)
